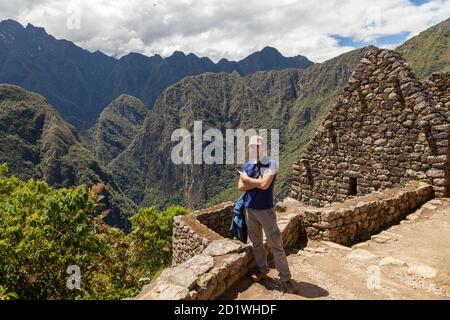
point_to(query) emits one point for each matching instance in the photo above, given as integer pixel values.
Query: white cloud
(231, 29)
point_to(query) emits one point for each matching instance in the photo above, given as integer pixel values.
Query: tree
(152, 237)
(44, 230)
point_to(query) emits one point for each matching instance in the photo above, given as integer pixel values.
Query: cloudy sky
(229, 29)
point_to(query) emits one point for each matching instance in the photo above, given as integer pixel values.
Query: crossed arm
(247, 183)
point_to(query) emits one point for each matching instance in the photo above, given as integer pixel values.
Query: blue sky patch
(392, 39)
(348, 42)
(419, 2)
(381, 41)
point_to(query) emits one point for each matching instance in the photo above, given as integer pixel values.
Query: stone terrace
(208, 265)
(412, 261)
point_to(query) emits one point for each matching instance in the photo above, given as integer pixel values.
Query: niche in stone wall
(333, 137)
(352, 186)
(307, 172)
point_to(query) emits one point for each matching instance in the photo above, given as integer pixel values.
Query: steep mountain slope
(429, 51)
(72, 79)
(116, 127)
(291, 100)
(37, 143)
(79, 83)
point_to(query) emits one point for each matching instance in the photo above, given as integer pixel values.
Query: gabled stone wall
(384, 130)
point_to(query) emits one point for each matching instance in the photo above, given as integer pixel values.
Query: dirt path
(407, 261)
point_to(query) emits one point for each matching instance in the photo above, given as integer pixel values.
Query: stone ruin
(381, 152)
(205, 260)
(385, 129)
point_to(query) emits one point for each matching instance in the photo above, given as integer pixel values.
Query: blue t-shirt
(257, 198)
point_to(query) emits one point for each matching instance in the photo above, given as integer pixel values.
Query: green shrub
(5, 295)
(44, 230)
(152, 237)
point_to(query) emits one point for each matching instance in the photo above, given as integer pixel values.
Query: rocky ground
(408, 261)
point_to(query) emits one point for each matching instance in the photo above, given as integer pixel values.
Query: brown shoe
(259, 276)
(289, 286)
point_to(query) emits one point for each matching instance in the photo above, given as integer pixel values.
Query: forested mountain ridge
(36, 143)
(79, 83)
(116, 127)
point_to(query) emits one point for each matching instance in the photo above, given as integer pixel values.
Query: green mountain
(292, 100)
(79, 83)
(429, 51)
(37, 143)
(116, 127)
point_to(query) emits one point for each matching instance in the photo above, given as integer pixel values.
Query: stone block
(222, 247)
(199, 264)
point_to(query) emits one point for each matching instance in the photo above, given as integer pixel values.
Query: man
(258, 179)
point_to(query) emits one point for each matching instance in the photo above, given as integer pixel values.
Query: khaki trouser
(266, 219)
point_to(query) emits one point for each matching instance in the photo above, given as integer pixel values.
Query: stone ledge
(357, 219)
(207, 274)
(191, 236)
(204, 276)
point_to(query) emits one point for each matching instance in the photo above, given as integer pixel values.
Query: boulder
(380, 239)
(164, 291)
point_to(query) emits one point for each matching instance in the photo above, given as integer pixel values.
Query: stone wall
(357, 219)
(193, 233)
(214, 263)
(204, 276)
(218, 218)
(384, 130)
(439, 87)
